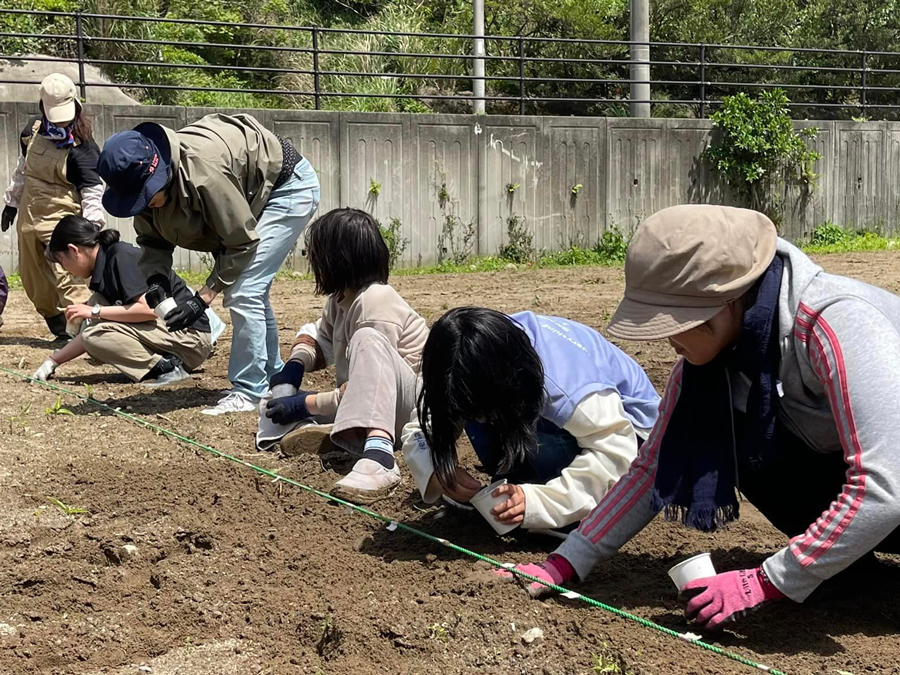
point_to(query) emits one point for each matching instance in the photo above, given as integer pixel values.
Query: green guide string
(395, 525)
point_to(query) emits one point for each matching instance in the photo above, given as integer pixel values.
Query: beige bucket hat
(685, 263)
(58, 96)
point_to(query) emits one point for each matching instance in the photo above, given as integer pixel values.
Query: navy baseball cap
(135, 166)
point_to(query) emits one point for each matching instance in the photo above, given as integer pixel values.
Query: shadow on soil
(18, 341)
(146, 401)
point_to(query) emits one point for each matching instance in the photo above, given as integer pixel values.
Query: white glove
(45, 372)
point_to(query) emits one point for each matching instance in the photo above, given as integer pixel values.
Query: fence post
(863, 83)
(702, 82)
(316, 87)
(79, 40)
(521, 76)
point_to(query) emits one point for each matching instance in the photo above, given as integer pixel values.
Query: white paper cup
(74, 327)
(165, 307)
(698, 567)
(282, 390)
(484, 502)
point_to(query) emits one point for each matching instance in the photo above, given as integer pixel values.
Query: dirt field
(232, 574)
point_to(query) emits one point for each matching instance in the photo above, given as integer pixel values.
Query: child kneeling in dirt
(547, 403)
(120, 327)
(373, 337)
(787, 389)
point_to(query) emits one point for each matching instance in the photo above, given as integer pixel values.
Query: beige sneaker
(367, 483)
(310, 439)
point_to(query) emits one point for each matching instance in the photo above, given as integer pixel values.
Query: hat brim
(123, 204)
(61, 113)
(640, 322)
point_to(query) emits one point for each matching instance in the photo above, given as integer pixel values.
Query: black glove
(292, 374)
(186, 313)
(160, 289)
(289, 408)
(154, 295)
(9, 215)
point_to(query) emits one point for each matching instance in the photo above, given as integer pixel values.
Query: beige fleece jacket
(326, 341)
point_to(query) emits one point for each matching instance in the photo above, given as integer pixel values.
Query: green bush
(393, 238)
(519, 246)
(759, 150)
(613, 246)
(829, 234)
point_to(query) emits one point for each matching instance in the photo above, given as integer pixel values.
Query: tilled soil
(226, 572)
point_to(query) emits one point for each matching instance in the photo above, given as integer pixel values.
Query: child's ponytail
(80, 232)
(107, 238)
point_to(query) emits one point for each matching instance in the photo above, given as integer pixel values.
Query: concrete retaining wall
(628, 168)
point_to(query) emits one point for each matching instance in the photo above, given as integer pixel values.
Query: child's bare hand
(513, 509)
(465, 488)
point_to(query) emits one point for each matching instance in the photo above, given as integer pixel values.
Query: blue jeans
(255, 353)
(556, 449)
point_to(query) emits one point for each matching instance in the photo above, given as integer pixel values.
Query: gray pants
(380, 393)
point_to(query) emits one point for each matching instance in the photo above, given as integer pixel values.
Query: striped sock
(380, 450)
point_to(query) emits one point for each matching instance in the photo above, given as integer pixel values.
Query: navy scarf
(63, 136)
(696, 473)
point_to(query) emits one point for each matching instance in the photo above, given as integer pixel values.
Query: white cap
(58, 97)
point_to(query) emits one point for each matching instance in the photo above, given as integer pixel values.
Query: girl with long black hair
(547, 403)
(120, 326)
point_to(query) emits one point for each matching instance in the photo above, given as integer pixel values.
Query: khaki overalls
(46, 197)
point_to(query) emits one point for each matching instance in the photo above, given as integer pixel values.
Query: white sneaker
(368, 482)
(233, 403)
(173, 376)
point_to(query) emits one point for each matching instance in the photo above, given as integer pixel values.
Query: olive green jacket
(222, 171)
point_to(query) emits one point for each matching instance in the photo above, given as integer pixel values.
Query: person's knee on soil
(119, 327)
(362, 315)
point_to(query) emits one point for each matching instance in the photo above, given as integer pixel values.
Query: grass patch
(197, 279)
(828, 238)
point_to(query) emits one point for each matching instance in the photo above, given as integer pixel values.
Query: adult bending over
(787, 389)
(227, 185)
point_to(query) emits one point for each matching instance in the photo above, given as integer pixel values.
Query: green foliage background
(839, 24)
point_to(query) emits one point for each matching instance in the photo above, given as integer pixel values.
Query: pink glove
(555, 570)
(728, 596)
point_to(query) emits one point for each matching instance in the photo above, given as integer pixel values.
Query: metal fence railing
(186, 61)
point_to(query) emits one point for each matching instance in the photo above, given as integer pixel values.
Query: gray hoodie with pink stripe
(840, 374)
